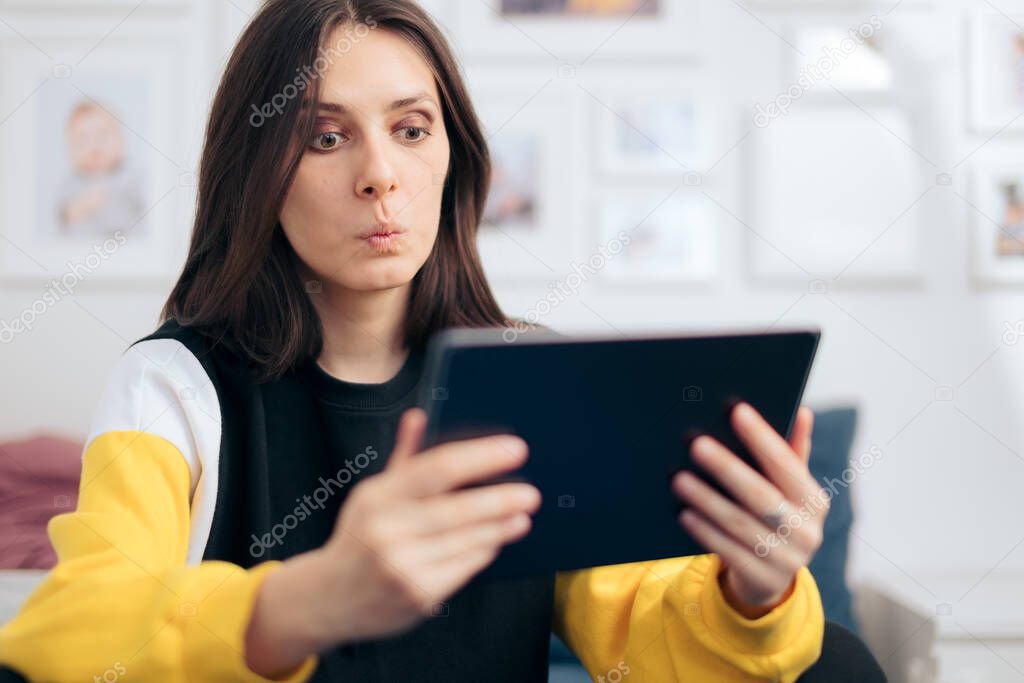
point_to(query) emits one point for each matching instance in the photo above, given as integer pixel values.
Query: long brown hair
(240, 285)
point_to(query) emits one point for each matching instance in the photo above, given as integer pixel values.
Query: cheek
(425, 211)
(431, 176)
(312, 201)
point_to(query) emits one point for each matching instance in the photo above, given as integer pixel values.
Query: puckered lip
(382, 229)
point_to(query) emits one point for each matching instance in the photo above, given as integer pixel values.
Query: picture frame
(527, 116)
(995, 66)
(997, 224)
(483, 30)
(831, 5)
(638, 138)
(643, 129)
(859, 65)
(670, 237)
(102, 170)
(855, 223)
(128, 6)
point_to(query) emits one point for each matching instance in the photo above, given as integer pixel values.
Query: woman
(250, 507)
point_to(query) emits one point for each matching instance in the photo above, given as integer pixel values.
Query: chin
(382, 275)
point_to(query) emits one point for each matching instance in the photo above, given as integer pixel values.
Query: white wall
(944, 496)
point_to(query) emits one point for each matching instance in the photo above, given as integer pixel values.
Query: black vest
(273, 443)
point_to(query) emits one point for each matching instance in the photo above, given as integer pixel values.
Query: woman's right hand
(405, 540)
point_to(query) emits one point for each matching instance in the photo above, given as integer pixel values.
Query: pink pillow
(38, 479)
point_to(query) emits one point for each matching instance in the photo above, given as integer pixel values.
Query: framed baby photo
(654, 237)
(576, 31)
(995, 92)
(997, 223)
(98, 133)
(528, 120)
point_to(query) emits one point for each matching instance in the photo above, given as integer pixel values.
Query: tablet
(609, 421)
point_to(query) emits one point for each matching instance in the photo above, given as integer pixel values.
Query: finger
(474, 506)
(453, 574)
(800, 439)
(488, 535)
(738, 521)
(748, 486)
(744, 527)
(773, 453)
(408, 437)
(457, 463)
(756, 572)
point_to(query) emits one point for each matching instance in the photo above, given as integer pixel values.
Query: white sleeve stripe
(158, 386)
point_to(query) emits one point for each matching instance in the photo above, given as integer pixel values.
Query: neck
(364, 332)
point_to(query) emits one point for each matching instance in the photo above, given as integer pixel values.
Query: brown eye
(325, 142)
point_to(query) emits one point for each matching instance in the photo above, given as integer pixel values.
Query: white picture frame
(99, 126)
(516, 105)
(481, 30)
(637, 136)
(993, 64)
(655, 237)
(641, 128)
(832, 5)
(851, 223)
(997, 224)
(855, 65)
(125, 6)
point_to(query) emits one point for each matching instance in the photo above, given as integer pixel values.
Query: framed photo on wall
(123, 6)
(650, 237)
(647, 133)
(517, 173)
(654, 122)
(997, 224)
(995, 53)
(527, 116)
(97, 148)
(848, 52)
(841, 208)
(574, 31)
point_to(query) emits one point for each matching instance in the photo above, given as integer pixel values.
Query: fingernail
(530, 497)
(702, 446)
(513, 444)
(520, 521)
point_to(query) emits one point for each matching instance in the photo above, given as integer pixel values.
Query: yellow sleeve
(667, 620)
(121, 598)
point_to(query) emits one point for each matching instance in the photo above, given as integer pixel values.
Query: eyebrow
(397, 104)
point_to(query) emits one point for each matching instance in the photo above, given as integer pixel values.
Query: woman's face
(362, 212)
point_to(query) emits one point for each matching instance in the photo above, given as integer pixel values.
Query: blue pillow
(563, 665)
(830, 455)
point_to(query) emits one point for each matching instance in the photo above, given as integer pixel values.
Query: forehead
(372, 71)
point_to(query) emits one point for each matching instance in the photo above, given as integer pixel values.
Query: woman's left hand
(775, 527)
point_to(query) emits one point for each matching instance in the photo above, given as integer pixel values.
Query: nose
(376, 177)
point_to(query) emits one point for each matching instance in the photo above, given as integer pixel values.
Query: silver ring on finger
(776, 517)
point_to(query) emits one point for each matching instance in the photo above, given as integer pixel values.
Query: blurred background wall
(842, 164)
